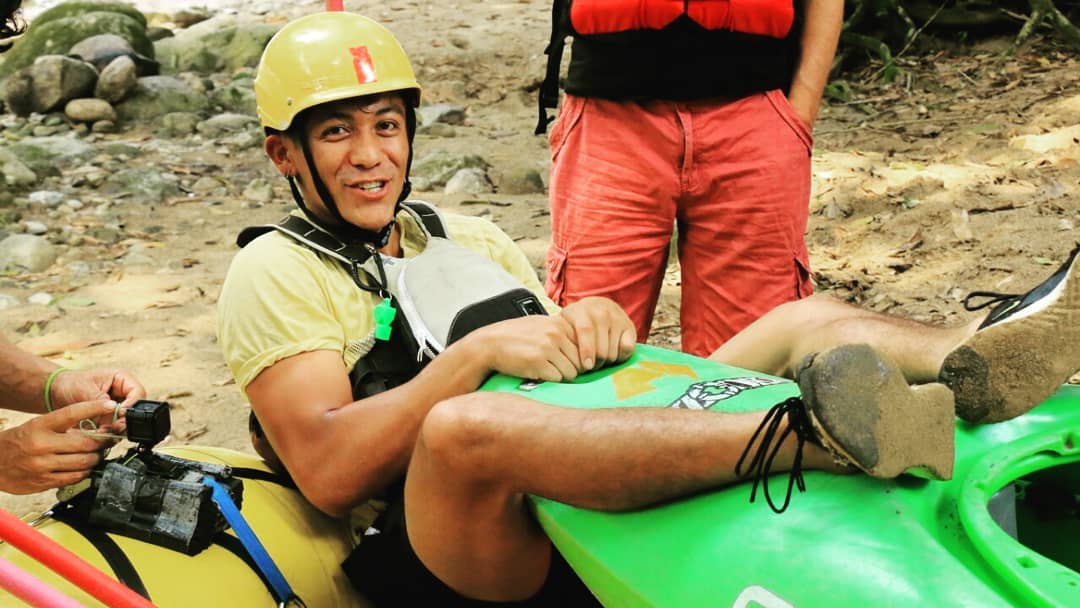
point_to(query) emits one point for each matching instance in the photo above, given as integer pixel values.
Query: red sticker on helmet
(365, 69)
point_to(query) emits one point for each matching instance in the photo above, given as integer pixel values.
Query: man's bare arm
(821, 32)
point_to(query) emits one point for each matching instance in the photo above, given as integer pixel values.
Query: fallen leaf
(961, 225)
(49, 346)
(80, 301)
(198, 431)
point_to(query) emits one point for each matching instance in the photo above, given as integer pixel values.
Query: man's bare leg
(478, 455)
(777, 342)
(998, 366)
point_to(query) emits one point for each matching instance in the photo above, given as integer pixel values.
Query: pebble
(37, 228)
(40, 298)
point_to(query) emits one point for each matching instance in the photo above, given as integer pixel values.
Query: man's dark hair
(11, 22)
(298, 128)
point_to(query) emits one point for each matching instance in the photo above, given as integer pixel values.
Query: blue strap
(282, 591)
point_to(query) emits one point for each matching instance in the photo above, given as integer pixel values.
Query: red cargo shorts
(734, 175)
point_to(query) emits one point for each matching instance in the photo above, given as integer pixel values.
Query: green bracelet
(48, 386)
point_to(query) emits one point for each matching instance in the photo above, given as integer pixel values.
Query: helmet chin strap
(343, 229)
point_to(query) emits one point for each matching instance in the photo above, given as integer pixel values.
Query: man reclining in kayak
(337, 98)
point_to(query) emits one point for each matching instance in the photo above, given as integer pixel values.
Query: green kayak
(1003, 532)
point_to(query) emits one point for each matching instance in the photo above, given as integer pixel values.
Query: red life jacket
(772, 18)
(670, 49)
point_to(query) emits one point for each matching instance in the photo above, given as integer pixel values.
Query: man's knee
(462, 434)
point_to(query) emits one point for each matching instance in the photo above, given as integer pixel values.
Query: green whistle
(384, 317)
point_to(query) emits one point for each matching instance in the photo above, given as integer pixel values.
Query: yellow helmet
(326, 57)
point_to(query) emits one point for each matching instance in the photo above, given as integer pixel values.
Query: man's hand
(805, 104)
(76, 386)
(48, 452)
(603, 332)
(535, 347)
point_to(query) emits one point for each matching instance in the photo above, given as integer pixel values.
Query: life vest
(773, 18)
(670, 49)
(468, 291)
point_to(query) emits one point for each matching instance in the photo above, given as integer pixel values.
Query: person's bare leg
(777, 342)
(998, 367)
(477, 455)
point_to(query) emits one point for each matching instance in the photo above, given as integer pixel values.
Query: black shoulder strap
(352, 257)
(548, 96)
(280, 479)
(428, 216)
(304, 231)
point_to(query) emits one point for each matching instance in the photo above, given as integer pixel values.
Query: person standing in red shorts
(690, 114)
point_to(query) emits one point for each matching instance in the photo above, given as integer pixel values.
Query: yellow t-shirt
(281, 299)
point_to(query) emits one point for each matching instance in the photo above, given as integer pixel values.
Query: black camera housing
(153, 497)
(148, 422)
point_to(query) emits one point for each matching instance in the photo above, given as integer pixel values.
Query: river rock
(34, 227)
(48, 198)
(225, 124)
(116, 80)
(56, 37)
(469, 181)
(178, 124)
(156, 96)
(49, 83)
(14, 172)
(89, 110)
(436, 169)
(99, 51)
(26, 253)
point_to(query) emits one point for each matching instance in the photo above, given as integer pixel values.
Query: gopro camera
(148, 423)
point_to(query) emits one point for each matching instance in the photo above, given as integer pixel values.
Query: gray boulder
(45, 156)
(521, 180)
(436, 169)
(224, 124)
(89, 110)
(53, 81)
(58, 36)
(143, 184)
(237, 96)
(76, 8)
(14, 172)
(116, 80)
(218, 44)
(469, 181)
(441, 113)
(102, 49)
(178, 124)
(19, 93)
(155, 96)
(26, 253)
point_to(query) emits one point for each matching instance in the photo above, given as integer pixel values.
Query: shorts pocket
(804, 279)
(787, 113)
(555, 283)
(569, 115)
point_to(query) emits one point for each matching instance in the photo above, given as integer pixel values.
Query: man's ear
(277, 148)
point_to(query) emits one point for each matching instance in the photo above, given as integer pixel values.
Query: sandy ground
(961, 175)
